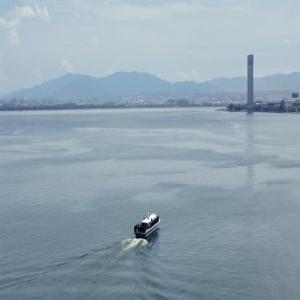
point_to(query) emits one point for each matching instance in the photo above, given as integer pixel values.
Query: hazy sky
(176, 40)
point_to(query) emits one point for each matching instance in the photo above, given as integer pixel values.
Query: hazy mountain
(73, 87)
(62, 86)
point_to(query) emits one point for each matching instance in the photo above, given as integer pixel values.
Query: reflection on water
(250, 154)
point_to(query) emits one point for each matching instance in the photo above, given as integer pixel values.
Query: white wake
(132, 243)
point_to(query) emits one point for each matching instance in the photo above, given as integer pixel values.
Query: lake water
(73, 184)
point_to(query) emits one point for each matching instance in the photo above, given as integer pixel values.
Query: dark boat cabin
(146, 225)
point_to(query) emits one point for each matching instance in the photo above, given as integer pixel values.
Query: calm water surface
(73, 184)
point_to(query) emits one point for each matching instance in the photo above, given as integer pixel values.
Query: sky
(175, 40)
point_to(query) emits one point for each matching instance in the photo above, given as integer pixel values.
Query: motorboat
(147, 226)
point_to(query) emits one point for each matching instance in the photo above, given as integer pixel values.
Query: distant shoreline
(93, 106)
(272, 107)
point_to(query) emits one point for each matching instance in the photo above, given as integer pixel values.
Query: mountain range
(77, 87)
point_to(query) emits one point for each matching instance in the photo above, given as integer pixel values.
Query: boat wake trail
(132, 243)
(104, 257)
(128, 246)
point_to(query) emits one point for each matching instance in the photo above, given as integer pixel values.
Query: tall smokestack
(250, 105)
